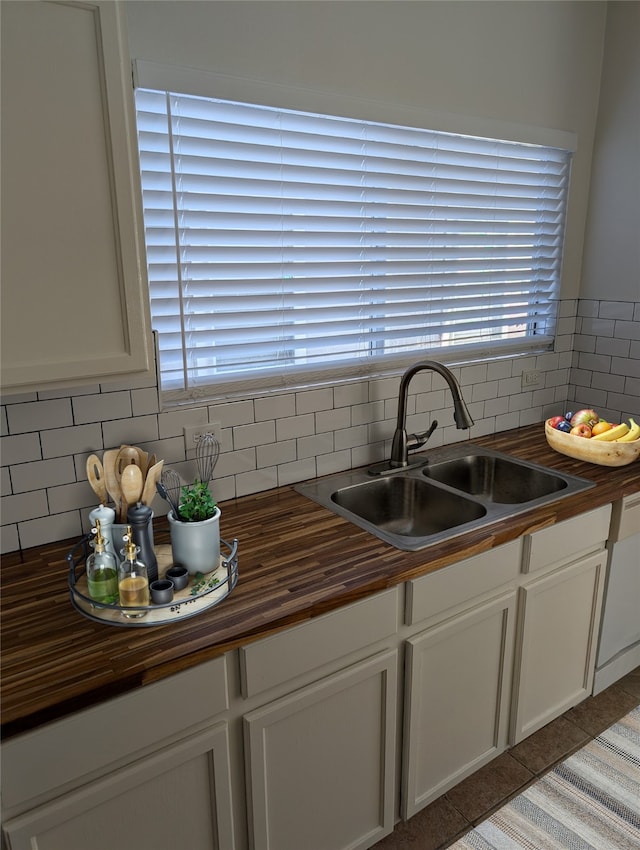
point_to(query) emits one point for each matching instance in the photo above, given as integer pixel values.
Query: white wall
(535, 63)
(612, 239)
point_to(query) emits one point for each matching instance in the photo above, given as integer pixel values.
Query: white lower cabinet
(149, 770)
(321, 762)
(560, 613)
(559, 618)
(178, 797)
(457, 689)
(321, 728)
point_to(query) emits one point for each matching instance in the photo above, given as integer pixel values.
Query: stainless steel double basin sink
(457, 489)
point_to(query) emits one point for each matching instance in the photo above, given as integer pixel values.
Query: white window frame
(188, 81)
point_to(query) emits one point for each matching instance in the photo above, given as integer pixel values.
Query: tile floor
(446, 819)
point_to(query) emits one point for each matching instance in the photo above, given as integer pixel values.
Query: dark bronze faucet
(404, 443)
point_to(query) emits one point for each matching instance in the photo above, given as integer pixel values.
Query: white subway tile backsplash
(66, 441)
(510, 386)
(234, 413)
(71, 496)
(470, 375)
(24, 506)
(9, 540)
(498, 369)
(314, 401)
(318, 444)
(282, 452)
(48, 529)
(293, 426)
(334, 462)
(38, 415)
(102, 407)
(424, 402)
(5, 481)
(20, 449)
(344, 395)
(627, 330)
(256, 482)
(598, 327)
(145, 401)
(626, 366)
(606, 381)
(333, 420)
(481, 392)
(171, 424)
(132, 432)
(348, 438)
(613, 310)
(587, 307)
(299, 470)
(274, 406)
(373, 411)
(42, 473)
(285, 437)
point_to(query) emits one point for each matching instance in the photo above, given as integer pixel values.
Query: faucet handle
(416, 441)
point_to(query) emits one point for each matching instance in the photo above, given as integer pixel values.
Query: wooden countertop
(296, 560)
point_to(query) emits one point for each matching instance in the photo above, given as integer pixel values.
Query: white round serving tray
(187, 602)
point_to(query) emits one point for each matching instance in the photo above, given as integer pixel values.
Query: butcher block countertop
(296, 560)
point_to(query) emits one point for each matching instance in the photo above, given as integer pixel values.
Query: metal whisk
(169, 488)
(207, 454)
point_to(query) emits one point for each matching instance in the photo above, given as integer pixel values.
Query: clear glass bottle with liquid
(102, 570)
(133, 582)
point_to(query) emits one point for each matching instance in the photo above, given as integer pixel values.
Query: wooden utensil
(112, 480)
(131, 484)
(149, 489)
(95, 475)
(127, 456)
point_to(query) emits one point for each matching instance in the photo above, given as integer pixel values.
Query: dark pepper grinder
(139, 518)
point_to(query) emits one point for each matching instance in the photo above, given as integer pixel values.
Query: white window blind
(283, 246)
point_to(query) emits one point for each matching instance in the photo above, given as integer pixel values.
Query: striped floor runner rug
(590, 801)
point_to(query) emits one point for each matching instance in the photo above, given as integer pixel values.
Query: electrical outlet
(530, 379)
(192, 432)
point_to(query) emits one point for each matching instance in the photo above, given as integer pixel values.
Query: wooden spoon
(127, 456)
(95, 474)
(149, 489)
(112, 480)
(131, 484)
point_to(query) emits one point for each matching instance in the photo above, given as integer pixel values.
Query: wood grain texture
(296, 561)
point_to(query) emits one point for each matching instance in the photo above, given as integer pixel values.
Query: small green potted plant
(195, 532)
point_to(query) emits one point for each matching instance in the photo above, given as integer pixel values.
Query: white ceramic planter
(196, 545)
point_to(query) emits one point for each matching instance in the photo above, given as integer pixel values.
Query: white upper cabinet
(74, 290)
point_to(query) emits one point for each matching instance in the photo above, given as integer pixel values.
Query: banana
(613, 433)
(632, 434)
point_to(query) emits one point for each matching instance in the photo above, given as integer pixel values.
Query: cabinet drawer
(625, 518)
(42, 761)
(461, 582)
(284, 656)
(566, 540)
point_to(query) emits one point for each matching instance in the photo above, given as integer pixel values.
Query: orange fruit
(600, 428)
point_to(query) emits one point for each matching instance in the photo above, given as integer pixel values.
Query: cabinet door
(560, 613)
(457, 693)
(321, 762)
(177, 798)
(75, 305)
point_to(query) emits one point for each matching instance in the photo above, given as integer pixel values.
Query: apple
(581, 430)
(588, 417)
(556, 420)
